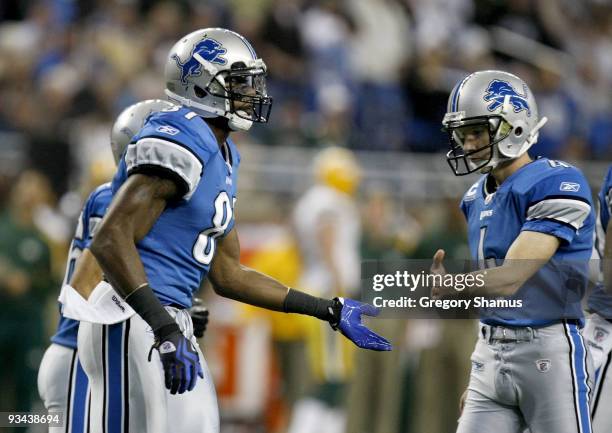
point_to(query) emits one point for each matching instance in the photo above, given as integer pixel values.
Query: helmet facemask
(244, 88)
(462, 162)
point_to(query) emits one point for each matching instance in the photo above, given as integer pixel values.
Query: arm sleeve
(81, 234)
(167, 147)
(94, 211)
(558, 205)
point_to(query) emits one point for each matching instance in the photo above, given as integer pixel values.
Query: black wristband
(303, 303)
(146, 304)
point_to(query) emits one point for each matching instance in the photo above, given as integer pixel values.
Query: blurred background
(364, 81)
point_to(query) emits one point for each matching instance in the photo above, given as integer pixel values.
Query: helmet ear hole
(518, 131)
(199, 92)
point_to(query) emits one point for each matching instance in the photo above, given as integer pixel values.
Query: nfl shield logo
(543, 365)
(600, 334)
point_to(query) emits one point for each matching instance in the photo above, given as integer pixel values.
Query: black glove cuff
(302, 303)
(146, 304)
(336, 309)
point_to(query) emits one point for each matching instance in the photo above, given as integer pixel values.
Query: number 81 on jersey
(204, 248)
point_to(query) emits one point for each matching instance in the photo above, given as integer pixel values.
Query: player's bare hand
(437, 268)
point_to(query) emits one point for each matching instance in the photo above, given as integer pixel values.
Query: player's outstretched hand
(347, 314)
(199, 317)
(180, 361)
(437, 268)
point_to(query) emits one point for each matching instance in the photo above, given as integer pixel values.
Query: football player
(328, 229)
(599, 324)
(525, 216)
(63, 385)
(171, 223)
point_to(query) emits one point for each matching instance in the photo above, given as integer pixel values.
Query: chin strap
(237, 123)
(201, 109)
(533, 135)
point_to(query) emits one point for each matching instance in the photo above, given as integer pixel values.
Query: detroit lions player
(62, 383)
(172, 214)
(598, 329)
(530, 365)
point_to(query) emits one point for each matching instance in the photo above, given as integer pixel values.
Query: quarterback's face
(472, 138)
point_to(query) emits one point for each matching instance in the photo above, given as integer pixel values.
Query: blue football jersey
(544, 196)
(94, 209)
(599, 301)
(179, 248)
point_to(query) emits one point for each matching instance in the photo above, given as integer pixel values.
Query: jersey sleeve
(78, 241)
(169, 146)
(558, 204)
(94, 211)
(82, 236)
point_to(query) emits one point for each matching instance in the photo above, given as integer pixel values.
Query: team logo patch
(496, 94)
(486, 213)
(167, 347)
(569, 186)
(489, 198)
(208, 49)
(165, 129)
(600, 334)
(543, 365)
(477, 366)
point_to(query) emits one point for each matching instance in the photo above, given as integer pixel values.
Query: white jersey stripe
(166, 154)
(568, 211)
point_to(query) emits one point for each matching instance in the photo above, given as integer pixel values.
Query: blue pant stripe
(80, 393)
(115, 379)
(582, 386)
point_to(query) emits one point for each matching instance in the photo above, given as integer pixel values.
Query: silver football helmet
(215, 72)
(130, 121)
(501, 103)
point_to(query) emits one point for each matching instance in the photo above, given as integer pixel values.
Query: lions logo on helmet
(209, 49)
(498, 90)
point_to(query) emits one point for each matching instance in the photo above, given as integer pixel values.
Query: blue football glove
(347, 318)
(180, 361)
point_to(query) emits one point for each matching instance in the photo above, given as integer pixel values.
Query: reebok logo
(569, 186)
(165, 129)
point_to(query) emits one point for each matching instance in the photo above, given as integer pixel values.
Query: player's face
(244, 85)
(244, 105)
(472, 138)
